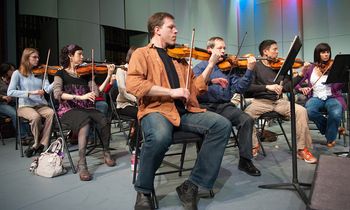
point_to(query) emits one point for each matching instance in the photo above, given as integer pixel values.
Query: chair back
(58, 126)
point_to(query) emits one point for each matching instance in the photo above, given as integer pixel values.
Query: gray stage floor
(111, 188)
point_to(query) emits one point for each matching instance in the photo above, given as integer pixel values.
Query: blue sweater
(21, 85)
(217, 94)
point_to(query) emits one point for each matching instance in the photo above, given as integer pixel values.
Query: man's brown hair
(157, 19)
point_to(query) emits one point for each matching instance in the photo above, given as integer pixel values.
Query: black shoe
(29, 152)
(188, 194)
(247, 166)
(39, 150)
(143, 202)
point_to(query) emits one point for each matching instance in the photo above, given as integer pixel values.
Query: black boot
(40, 149)
(143, 202)
(30, 151)
(247, 166)
(188, 194)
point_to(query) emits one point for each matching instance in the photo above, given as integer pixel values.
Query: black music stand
(286, 70)
(340, 74)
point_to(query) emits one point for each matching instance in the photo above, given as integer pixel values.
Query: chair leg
(262, 127)
(211, 193)
(18, 138)
(2, 140)
(137, 154)
(182, 159)
(154, 199)
(284, 134)
(65, 145)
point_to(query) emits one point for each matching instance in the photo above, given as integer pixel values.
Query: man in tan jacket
(165, 105)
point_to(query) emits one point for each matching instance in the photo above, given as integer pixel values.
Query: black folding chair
(261, 123)
(118, 118)
(62, 130)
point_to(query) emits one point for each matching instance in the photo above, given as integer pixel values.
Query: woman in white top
(323, 97)
(126, 103)
(32, 104)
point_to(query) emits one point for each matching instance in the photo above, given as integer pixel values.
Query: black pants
(241, 120)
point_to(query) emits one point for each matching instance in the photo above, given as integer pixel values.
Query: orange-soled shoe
(306, 155)
(331, 144)
(255, 150)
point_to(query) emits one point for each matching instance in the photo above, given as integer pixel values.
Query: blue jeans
(328, 125)
(102, 106)
(158, 137)
(10, 111)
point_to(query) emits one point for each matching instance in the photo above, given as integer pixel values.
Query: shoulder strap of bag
(56, 146)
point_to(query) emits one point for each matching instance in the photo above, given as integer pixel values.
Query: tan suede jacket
(146, 69)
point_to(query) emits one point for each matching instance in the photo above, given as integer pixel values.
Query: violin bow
(92, 71)
(239, 49)
(190, 59)
(46, 66)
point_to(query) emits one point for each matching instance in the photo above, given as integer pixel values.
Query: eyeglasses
(35, 57)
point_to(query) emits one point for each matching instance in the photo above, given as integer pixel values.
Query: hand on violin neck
(216, 56)
(110, 68)
(180, 93)
(251, 62)
(220, 81)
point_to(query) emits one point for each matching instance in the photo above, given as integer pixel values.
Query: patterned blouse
(67, 83)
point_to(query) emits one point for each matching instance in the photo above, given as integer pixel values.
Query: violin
(278, 62)
(230, 61)
(324, 67)
(182, 51)
(99, 68)
(51, 70)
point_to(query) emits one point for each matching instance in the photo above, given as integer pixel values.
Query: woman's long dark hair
(68, 50)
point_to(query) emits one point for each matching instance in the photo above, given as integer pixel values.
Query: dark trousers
(241, 120)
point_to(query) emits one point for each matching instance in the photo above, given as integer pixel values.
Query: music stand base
(289, 186)
(342, 154)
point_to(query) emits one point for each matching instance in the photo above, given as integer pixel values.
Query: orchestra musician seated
(126, 102)
(76, 96)
(323, 98)
(222, 85)
(267, 97)
(8, 104)
(32, 105)
(168, 103)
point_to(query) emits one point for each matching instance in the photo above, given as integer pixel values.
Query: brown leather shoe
(109, 161)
